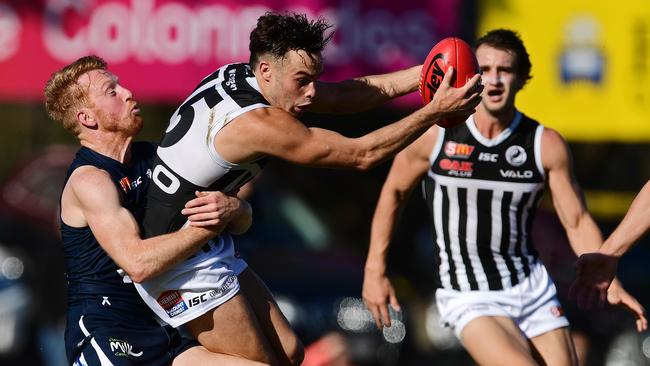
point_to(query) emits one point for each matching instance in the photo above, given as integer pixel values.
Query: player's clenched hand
(211, 209)
(377, 293)
(594, 273)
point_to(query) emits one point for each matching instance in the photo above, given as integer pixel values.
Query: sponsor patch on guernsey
(172, 302)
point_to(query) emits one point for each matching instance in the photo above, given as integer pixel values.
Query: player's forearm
(359, 94)
(387, 86)
(158, 254)
(381, 232)
(585, 237)
(634, 225)
(382, 144)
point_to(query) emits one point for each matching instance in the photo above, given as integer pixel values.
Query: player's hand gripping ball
(453, 52)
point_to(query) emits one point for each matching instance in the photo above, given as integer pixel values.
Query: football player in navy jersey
(482, 181)
(101, 205)
(248, 112)
(595, 271)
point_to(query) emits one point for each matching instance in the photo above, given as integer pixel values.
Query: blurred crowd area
(308, 242)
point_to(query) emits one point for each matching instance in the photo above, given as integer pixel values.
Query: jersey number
(169, 183)
(186, 111)
(162, 177)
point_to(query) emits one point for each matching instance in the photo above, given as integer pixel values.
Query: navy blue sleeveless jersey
(91, 274)
(107, 319)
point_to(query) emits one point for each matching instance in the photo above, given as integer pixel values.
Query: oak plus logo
(516, 155)
(457, 168)
(122, 348)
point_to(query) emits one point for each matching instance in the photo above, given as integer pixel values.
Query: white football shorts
(195, 286)
(532, 304)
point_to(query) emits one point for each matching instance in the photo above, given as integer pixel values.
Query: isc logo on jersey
(128, 185)
(491, 158)
(454, 149)
(172, 303)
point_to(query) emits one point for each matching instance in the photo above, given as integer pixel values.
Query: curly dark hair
(509, 40)
(277, 34)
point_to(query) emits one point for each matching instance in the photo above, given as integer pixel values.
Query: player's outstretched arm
(408, 168)
(271, 131)
(635, 224)
(90, 198)
(596, 270)
(583, 233)
(363, 93)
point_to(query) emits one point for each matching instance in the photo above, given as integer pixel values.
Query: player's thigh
(199, 355)
(232, 328)
(275, 325)
(492, 340)
(555, 348)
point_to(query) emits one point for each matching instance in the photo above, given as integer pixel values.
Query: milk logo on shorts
(516, 155)
(172, 302)
(122, 348)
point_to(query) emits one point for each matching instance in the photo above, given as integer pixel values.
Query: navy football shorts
(95, 341)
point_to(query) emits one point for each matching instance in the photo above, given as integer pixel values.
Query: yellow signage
(591, 64)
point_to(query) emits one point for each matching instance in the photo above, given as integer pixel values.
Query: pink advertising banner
(160, 49)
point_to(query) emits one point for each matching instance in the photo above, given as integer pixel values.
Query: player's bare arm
(634, 225)
(274, 132)
(583, 233)
(363, 93)
(407, 170)
(90, 198)
(595, 271)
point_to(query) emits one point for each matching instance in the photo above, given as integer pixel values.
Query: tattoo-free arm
(634, 225)
(583, 233)
(118, 233)
(363, 93)
(272, 131)
(408, 168)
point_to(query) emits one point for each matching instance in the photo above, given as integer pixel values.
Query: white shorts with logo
(532, 305)
(195, 286)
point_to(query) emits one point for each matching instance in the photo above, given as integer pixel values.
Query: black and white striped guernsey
(482, 194)
(187, 160)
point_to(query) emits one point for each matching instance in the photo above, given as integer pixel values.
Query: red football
(453, 52)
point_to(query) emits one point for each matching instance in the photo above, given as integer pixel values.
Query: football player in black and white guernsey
(101, 208)
(220, 137)
(482, 182)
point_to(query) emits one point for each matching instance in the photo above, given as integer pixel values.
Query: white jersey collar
(471, 125)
